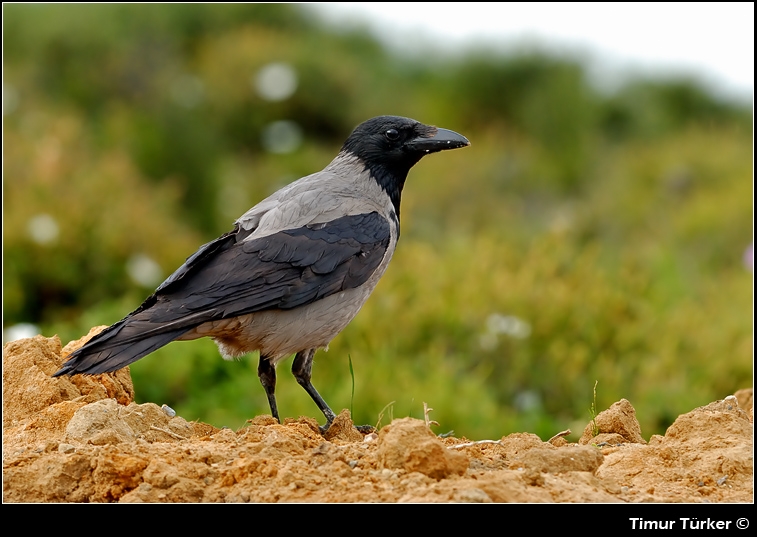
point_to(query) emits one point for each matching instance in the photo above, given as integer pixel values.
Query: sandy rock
(28, 385)
(605, 439)
(107, 422)
(712, 423)
(72, 442)
(409, 445)
(99, 423)
(567, 459)
(619, 419)
(517, 443)
(745, 399)
(343, 430)
(705, 455)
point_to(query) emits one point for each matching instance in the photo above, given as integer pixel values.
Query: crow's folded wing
(234, 275)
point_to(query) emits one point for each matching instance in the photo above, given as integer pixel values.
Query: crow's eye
(392, 134)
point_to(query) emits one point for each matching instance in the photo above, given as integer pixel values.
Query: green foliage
(581, 238)
(544, 98)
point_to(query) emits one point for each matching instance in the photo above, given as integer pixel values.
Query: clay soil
(83, 439)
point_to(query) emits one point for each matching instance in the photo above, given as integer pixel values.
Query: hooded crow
(293, 272)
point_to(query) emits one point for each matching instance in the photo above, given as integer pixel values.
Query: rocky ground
(83, 439)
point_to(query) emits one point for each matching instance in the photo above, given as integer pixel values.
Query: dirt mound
(83, 439)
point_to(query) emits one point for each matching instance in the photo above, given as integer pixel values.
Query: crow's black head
(397, 143)
(390, 145)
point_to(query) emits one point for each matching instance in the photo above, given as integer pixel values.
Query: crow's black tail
(119, 345)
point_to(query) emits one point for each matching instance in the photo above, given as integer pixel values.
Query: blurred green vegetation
(582, 237)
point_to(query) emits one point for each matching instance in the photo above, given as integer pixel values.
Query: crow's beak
(441, 140)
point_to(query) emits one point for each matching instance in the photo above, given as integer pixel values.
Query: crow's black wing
(281, 271)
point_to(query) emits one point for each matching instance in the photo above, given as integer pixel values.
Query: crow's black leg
(267, 375)
(302, 369)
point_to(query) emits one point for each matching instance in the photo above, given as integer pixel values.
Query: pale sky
(712, 41)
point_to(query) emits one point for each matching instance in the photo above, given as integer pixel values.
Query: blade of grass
(352, 374)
